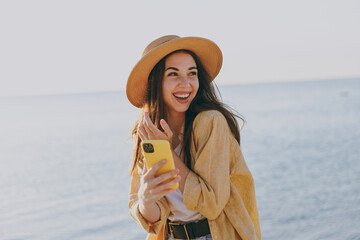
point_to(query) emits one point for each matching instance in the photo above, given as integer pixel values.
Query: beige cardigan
(219, 186)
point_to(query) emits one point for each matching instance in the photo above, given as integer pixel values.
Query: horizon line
(219, 85)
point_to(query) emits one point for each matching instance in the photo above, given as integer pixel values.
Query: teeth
(182, 95)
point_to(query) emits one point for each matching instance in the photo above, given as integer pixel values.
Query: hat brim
(207, 51)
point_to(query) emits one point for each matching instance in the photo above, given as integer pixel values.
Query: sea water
(64, 161)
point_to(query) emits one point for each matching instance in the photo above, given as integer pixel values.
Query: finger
(156, 195)
(144, 168)
(153, 170)
(149, 124)
(164, 177)
(140, 125)
(164, 188)
(168, 184)
(166, 128)
(141, 134)
(146, 131)
(146, 119)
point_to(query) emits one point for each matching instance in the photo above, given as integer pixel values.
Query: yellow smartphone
(156, 150)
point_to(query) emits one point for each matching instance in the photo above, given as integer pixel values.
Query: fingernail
(163, 161)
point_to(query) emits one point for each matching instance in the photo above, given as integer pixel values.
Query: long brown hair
(205, 99)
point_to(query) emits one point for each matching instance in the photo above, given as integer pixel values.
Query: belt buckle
(187, 235)
(178, 224)
(171, 231)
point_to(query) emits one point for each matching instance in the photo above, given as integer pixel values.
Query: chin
(181, 109)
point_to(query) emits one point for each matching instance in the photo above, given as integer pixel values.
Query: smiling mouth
(182, 96)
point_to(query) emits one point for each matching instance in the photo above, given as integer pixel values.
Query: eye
(172, 74)
(194, 73)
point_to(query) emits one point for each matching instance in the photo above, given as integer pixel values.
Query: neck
(176, 122)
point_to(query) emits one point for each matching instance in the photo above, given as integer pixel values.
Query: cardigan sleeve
(207, 186)
(153, 228)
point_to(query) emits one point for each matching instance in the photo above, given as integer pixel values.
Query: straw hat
(207, 51)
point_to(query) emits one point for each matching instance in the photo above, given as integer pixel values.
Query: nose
(184, 81)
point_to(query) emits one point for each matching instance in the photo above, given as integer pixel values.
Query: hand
(148, 131)
(153, 188)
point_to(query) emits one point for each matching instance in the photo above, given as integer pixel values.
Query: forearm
(150, 211)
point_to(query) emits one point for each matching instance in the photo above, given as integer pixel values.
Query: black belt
(189, 230)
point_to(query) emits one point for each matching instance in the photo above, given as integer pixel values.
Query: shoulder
(209, 115)
(208, 120)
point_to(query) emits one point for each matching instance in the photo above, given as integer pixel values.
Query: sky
(59, 47)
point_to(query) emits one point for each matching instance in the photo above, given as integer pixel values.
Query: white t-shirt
(178, 210)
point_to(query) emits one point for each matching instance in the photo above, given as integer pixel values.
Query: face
(180, 82)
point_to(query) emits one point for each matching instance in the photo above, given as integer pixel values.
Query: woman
(172, 83)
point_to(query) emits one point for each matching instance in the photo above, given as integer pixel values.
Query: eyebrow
(176, 69)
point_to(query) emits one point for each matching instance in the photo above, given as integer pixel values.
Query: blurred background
(291, 68)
